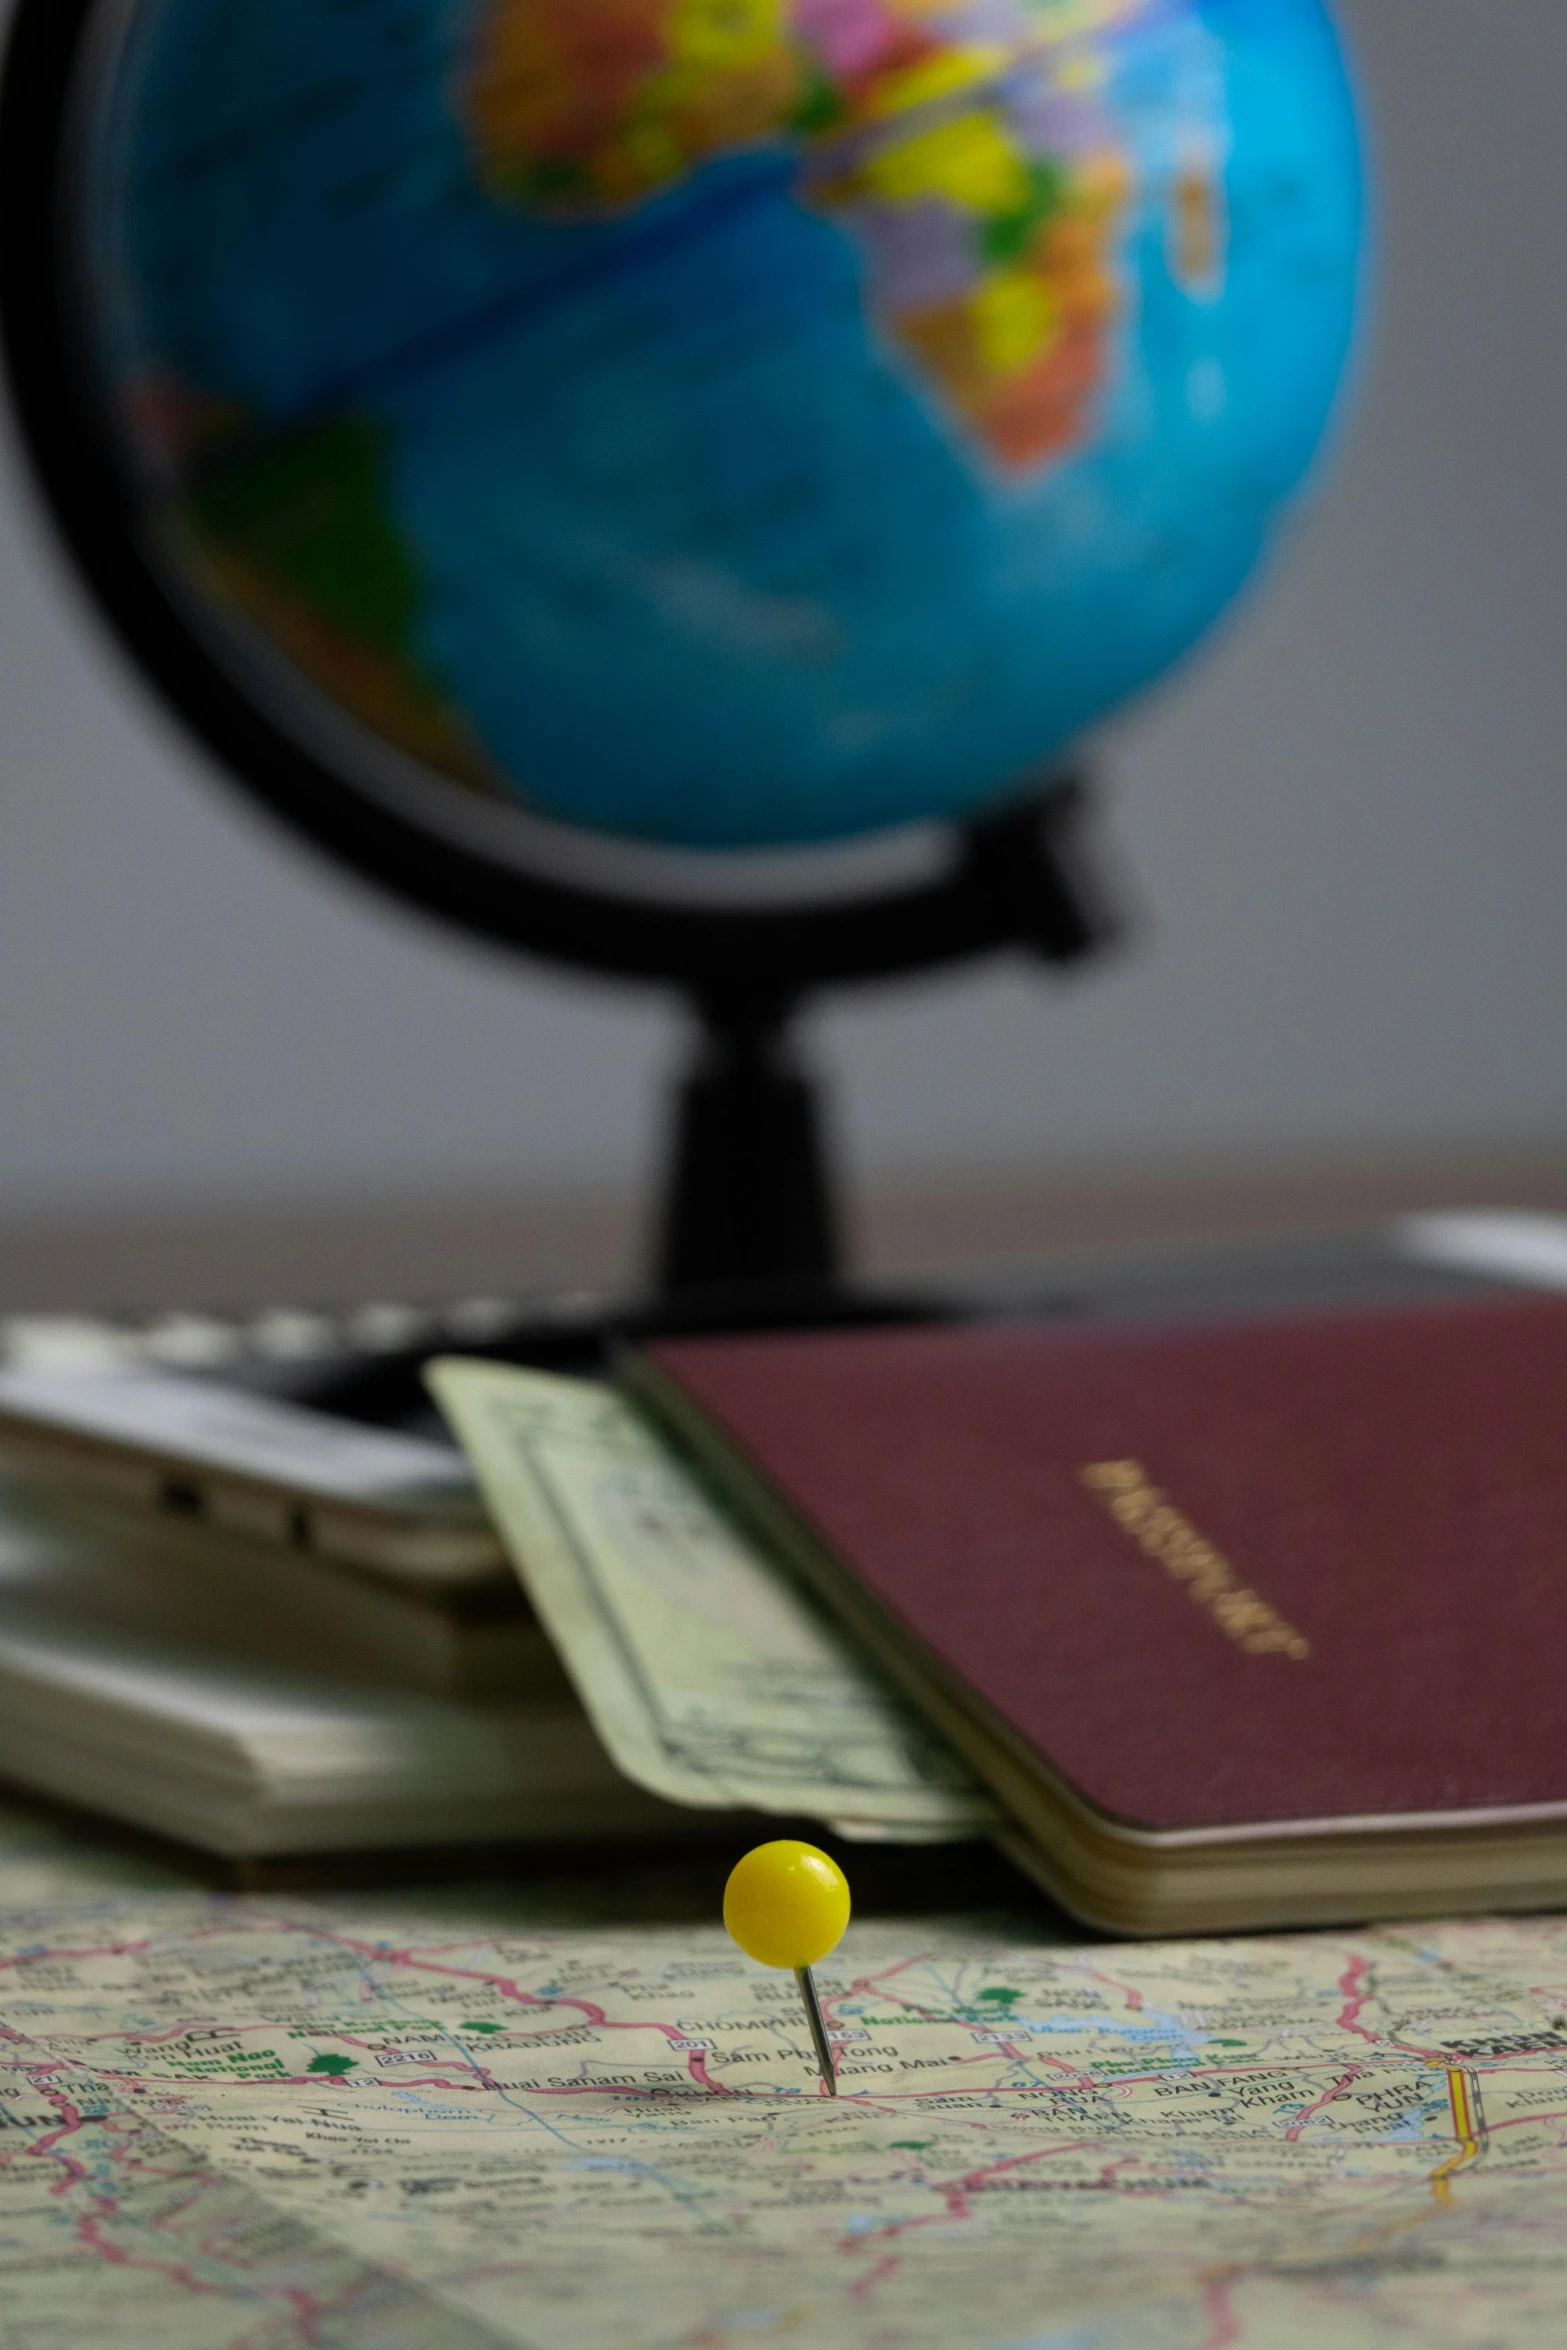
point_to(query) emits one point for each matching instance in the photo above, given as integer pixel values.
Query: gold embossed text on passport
(1188, 1557)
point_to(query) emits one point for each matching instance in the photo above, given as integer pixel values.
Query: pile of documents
(263, 1631)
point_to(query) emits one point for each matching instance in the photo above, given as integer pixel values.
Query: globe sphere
(720, 423)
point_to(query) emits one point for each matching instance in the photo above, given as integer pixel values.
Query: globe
(717, 423)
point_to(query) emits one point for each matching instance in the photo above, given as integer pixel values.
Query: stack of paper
(252, 1697)
(243, 1703)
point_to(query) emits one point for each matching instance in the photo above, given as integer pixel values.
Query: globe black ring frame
(1016, 878)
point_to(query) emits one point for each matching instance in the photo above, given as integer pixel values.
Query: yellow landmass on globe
(1024, 352)
(944, 72)
(968, 160)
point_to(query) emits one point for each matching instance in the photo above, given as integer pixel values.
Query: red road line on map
(697, 2068)
(1443, 2057)
(379, 1955)
(49, 2144)
(1079, 2080)
(863, 2287)
(1350, 1983)
(1128, 1991)
(175, 2032)
(955, 2193)
(308, 2309)
(973, 2182)
(16, 2039)
(48, 1956)
(181, 2031)
(1327, 2097)
(174, 2082)
(953, 2207)
(864, 1985)
(1219, 2308)
(1517, 2121)
(467, 2086)
(509, 1988)
(203, 2023)
(178, 2272)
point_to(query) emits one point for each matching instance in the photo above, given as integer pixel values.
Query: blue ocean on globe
(724, 422)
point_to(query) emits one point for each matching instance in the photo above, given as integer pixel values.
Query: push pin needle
(813, 2016)
(787, 1905)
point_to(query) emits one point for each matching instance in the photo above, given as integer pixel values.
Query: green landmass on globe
(300, 535)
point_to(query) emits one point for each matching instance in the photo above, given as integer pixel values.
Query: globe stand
(749, 1198)
(748, 1194)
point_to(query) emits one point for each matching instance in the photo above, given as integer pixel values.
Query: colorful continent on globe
(957, 141)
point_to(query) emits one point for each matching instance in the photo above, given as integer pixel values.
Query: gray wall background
(1347, 826)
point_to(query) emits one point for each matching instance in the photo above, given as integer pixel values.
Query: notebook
(186, 1693)
(1256, 1624)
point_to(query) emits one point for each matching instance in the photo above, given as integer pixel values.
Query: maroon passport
(1270, 1596)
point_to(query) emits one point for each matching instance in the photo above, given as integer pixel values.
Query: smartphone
(401, 1507)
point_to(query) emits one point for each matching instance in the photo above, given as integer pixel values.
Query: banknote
(711, 1678)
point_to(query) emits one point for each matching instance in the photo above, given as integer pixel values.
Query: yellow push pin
(787, 1904)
